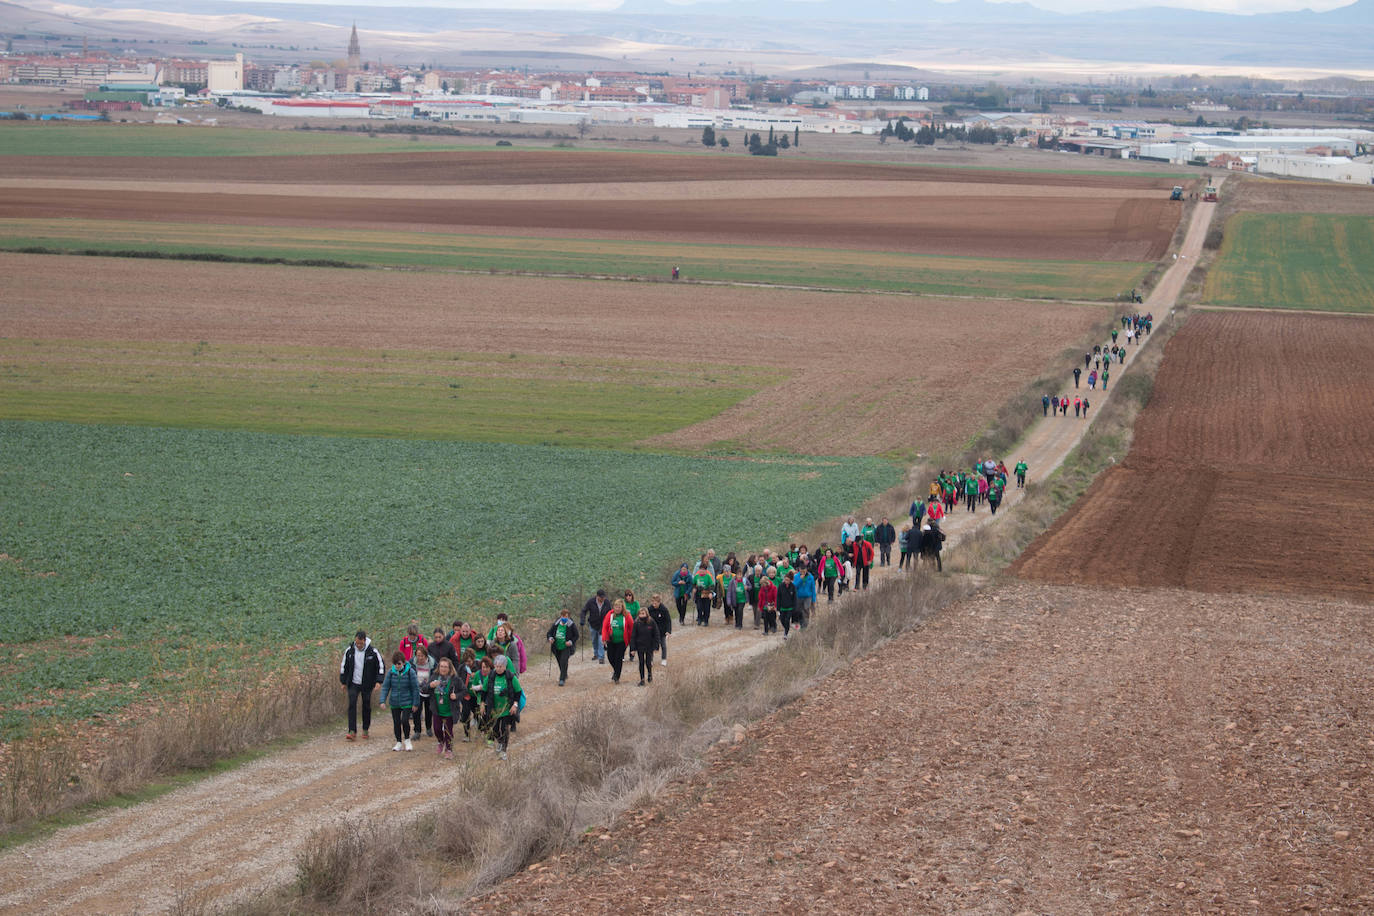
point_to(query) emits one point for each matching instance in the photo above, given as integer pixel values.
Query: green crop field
(1295, 260)
(133, 554)
(828, 268)
(477, 397)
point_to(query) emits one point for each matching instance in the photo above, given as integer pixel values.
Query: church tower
(355, 53)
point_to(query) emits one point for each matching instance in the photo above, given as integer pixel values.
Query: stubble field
(850, 375)
(1247, 472)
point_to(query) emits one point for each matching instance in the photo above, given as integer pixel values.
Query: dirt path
(233, 835)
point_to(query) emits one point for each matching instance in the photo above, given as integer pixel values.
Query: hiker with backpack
(932, 542)
(562, 637)
(658, 613)
(787, 602)
(502, 698)
(805, 581)
(400, 690)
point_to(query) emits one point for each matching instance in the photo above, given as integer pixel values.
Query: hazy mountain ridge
(814, 32)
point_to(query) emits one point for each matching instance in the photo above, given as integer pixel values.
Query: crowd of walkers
(462, 677)
(1097, 366)
(457, 677)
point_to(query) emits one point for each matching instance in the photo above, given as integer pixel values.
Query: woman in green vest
(563, 643)
(703, 590)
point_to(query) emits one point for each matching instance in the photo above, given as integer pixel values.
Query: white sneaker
(397, 747)
(502, 755)
(663, 664)
(408, 746)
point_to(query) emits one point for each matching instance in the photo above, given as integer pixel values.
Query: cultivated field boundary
(217, 791)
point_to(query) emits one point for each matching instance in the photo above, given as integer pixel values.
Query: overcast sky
(1063, 6)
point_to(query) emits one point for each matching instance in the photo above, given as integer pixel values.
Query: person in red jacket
(768, 601)
(616, 632)
(411, 640)
(935, 511)
(863, 562)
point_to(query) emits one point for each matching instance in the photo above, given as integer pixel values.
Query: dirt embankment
(1248, 470)
(1036, 749)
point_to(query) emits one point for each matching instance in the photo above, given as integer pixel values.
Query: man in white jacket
(359, 672)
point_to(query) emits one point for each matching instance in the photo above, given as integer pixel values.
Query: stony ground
(1036, 749)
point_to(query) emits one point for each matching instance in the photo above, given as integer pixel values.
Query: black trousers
(770, 621)
(501, 729)
(423, 714)
(681, 608)
(400, 723)
(830, 588)
(885, 554)
(861, 576)
(646, 664)
(562, 658)
(785, 615)
(616, 653)
(356, 693)
(704, 611)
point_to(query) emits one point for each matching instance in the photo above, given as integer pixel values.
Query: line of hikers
(463, 677)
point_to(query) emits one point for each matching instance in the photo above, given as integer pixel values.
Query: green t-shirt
(632, 608)
(1021, 467)
(868, 533)
(441, 700)
(560, 636)
(703, 581)
(618, 629)
(505, 691)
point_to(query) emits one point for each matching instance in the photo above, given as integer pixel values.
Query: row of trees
(754, 143)
(926, 135)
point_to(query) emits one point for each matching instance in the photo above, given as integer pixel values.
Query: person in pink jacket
(617, 629)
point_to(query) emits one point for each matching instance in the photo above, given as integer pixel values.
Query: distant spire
(355, 52)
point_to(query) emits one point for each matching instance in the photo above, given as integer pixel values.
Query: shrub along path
(234, 835)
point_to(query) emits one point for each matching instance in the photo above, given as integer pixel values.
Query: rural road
(231, 836)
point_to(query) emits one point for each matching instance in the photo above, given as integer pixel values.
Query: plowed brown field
(1249, 469)
(1033, 749)
(1067, 228)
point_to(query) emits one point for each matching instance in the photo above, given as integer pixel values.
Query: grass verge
(212, 730)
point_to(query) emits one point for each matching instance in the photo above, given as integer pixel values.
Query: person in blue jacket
(400, 693)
